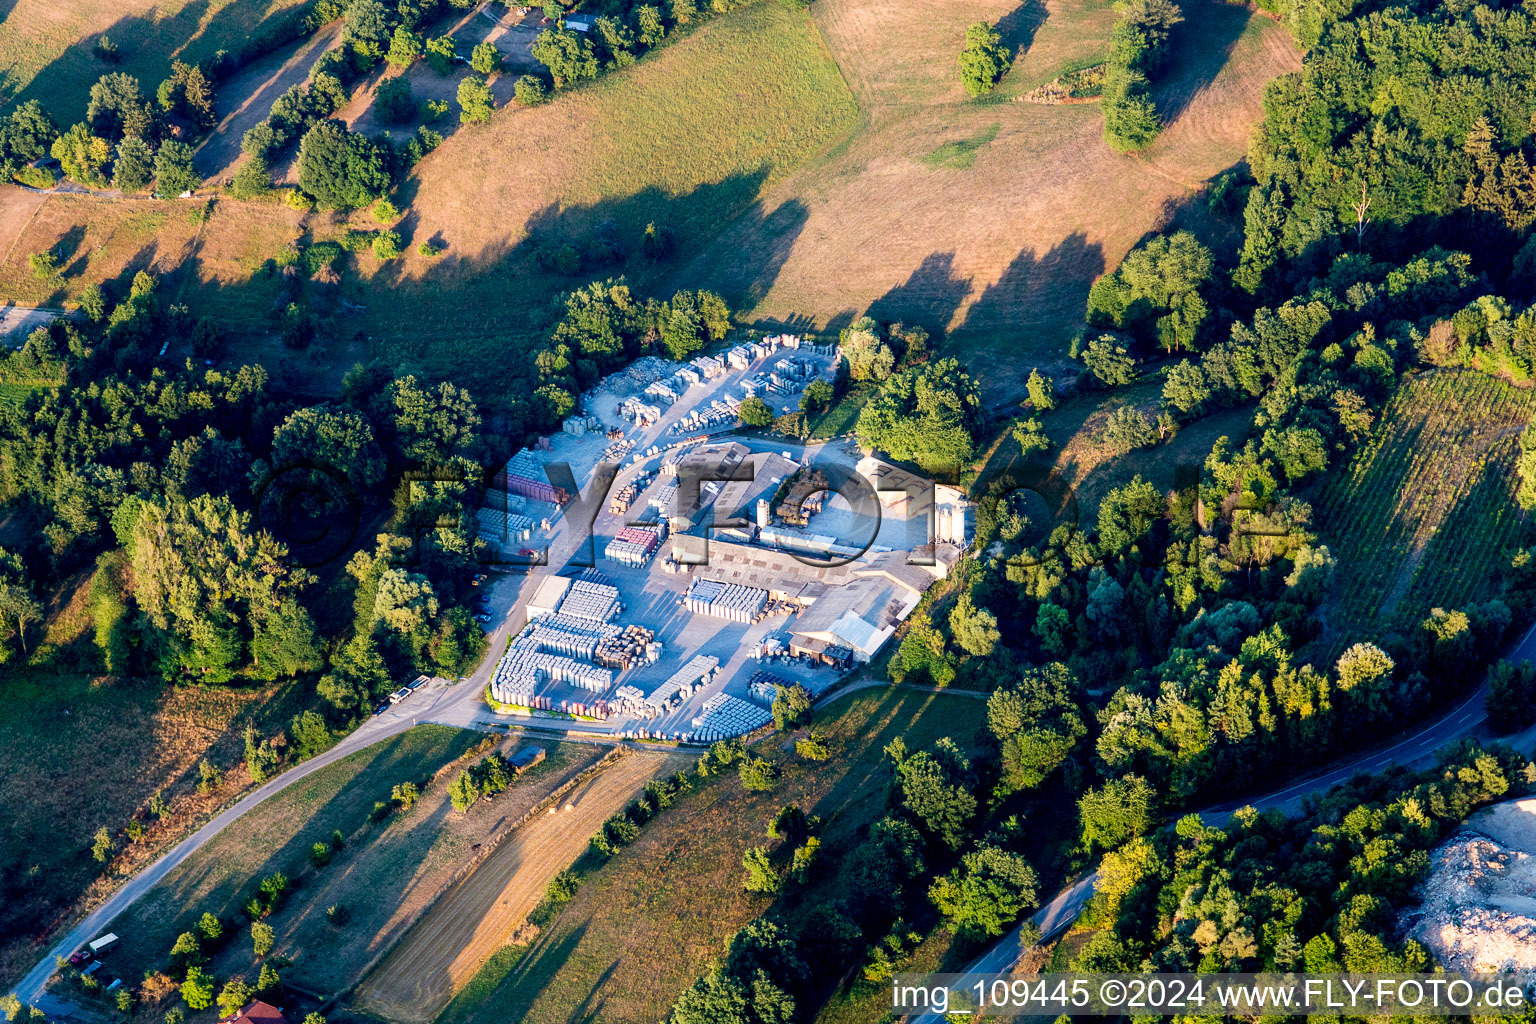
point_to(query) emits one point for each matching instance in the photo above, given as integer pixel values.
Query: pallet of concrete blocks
(591, 599)
(595, 709)
(681, 684)
(514, 690)
(725, 600)
(724, 716)
(628, 700)
(764, 687)
(739, 357)
(626, 650)
(507, 527)
(526, 660)
(569, 635)
(709, 367)
(626, 552)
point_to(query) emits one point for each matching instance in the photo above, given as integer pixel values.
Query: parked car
(379, 709)
(483, 616)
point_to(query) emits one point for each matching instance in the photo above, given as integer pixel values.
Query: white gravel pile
(1479, 908)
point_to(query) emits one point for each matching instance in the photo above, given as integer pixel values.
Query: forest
(1387, 214)
(1172, 650)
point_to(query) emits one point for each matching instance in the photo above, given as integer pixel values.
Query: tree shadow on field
(1216, 221)
(1019, 26)
(928, 298)
(67, 248)
(147, 45)
(1021, 319)
(1198, 49)
(520, 989)
(506, 288)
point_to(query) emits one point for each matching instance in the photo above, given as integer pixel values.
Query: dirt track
(445, 948)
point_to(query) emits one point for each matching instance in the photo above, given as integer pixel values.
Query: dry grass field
(467, 926)
(689, 138)
(1424, 515)
(1002, 249)
(45, 45)
(214, 257)
(646, 923)
(810, 167)
(77, 754)
(1089, 469)
(371, 876)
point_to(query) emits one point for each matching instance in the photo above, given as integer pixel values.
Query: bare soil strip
(445, 948)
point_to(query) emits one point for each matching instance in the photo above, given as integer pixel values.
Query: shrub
(562, 888)
(755, 412)
(134, 165)
(235, 994)
(37, 177)
(197, 989)
(759, 875)
(984, 60)
(1109, 361)
(45, 265)
(394, 101)
(440, 53)
(475, 100)
(386, 245)
(355, 241)
(174, 173)
(813, 747)
(485, 58)
(430, 250)
(320, 854)
(321, 256)
(404, 47)
(209, 776)
(252, 180)
(385, 212)
(530, 90)
(758, 774)
(791, 704)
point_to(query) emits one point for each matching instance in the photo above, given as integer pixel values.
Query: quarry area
(719, 564)
(1479, 908)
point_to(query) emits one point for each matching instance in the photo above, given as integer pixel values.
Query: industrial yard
(719, 564)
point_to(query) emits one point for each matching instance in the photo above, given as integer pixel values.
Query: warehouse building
(911, 495)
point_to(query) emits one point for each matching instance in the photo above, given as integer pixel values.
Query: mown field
(77, 754)
(466, 928)
(1424, 515)
(643, 926)
(45, 45)
(990, 219)
(371, 876)
(688, 139)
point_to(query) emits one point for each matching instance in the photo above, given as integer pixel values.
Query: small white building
(546, 599)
